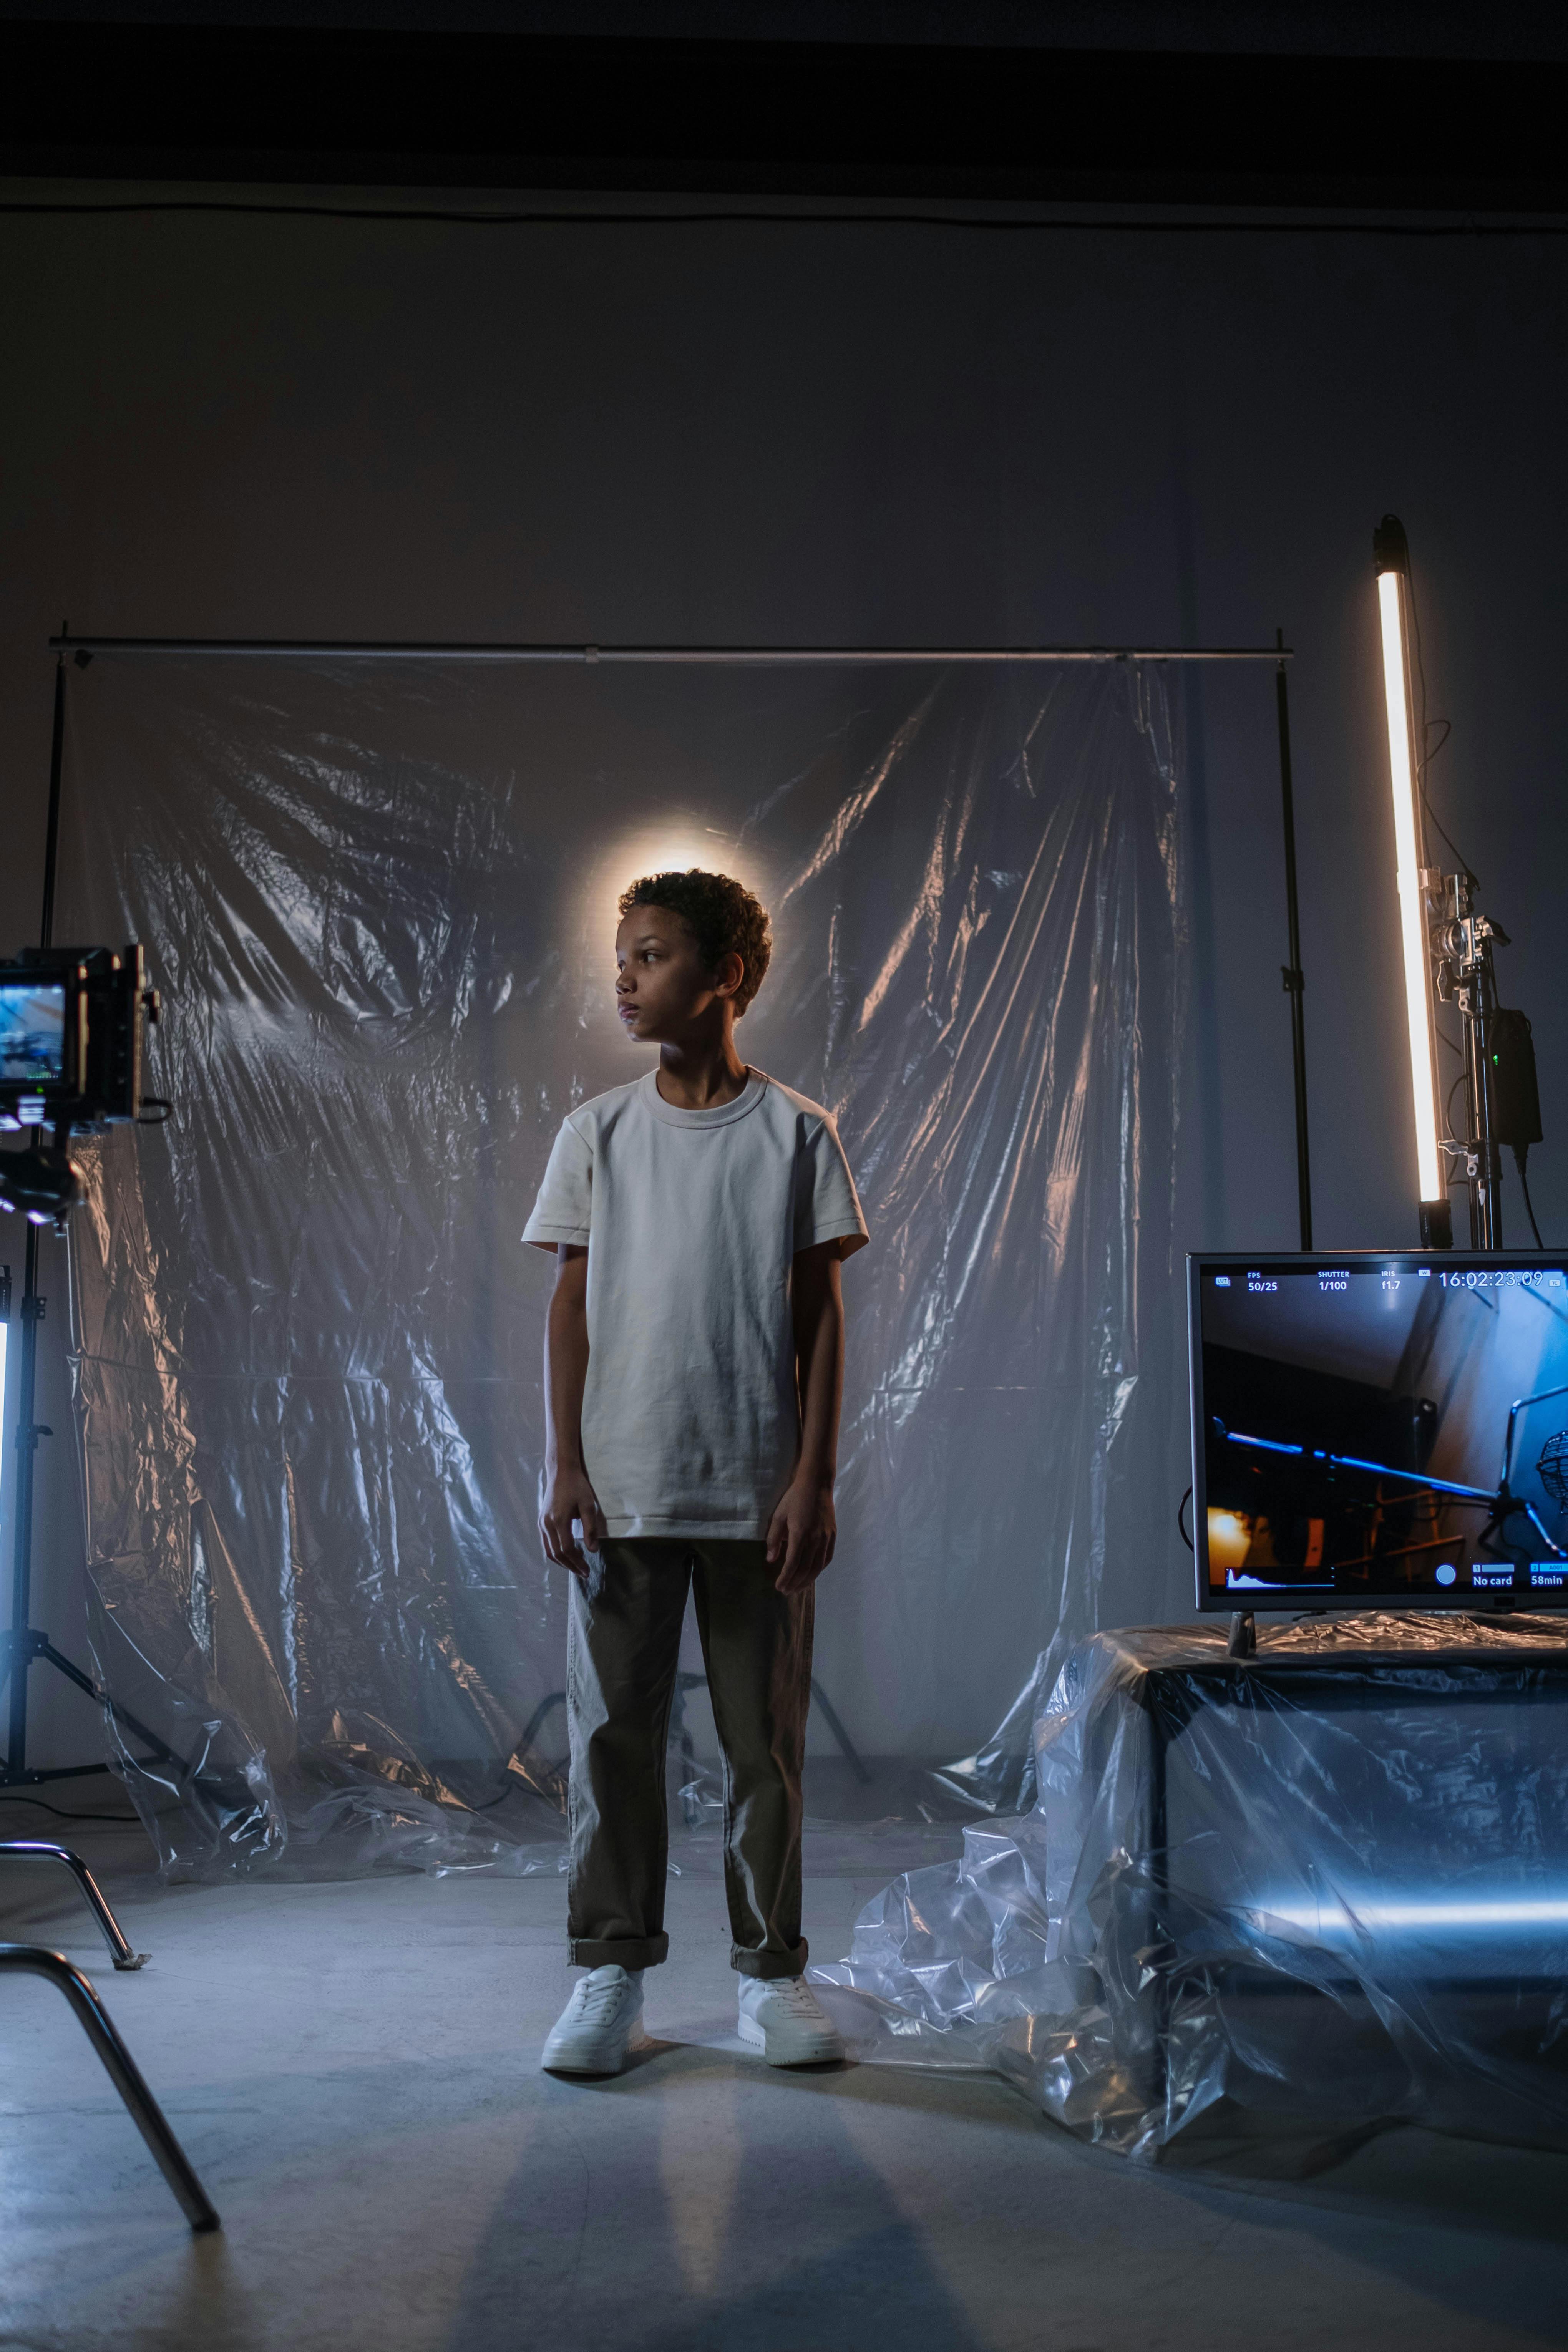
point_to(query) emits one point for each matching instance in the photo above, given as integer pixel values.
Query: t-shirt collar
(748, 1098)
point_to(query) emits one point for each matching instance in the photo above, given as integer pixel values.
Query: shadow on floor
(751, 2223)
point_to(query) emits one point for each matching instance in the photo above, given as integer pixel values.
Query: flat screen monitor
(1380, 1430)
(32, 1033)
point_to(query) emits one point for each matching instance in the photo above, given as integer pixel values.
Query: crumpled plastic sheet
(380, 903)
(1296, 1901)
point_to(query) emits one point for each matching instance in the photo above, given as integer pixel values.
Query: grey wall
(812, 433)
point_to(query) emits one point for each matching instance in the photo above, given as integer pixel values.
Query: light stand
(1447, 954)
(1462, 952)
(24, 1645)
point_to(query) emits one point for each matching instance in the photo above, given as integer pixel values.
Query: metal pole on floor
(37, 1960)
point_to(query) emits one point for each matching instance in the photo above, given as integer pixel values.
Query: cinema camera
(73, 1024)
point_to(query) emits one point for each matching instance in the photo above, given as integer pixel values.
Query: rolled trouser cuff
(629, 1952)
(769, 1964)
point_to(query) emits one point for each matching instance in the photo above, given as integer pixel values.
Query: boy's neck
(701, 1076)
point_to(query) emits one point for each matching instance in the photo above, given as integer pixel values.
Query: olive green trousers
(622, 1657)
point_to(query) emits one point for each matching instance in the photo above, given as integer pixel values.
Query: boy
(694, 1362)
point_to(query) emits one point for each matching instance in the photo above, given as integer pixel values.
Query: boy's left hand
(802, 1534)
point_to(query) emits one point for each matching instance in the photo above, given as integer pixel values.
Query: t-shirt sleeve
(826, 1205)
(562, 1211)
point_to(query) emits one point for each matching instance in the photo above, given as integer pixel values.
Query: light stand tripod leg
(140, 1730)
(845, 1747)
(34, 1960)
(39, 1645)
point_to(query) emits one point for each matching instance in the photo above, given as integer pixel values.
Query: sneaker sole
(568, 2063)
(822, 2052)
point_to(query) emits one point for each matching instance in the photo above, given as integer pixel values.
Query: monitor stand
(1242, 1642)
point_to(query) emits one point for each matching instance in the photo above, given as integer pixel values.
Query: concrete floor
(352, 2068)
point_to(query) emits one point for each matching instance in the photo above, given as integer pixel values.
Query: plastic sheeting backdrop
(380, 903)
(1295, 1899)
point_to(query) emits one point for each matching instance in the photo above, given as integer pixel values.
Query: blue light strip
(1415, 1477)
(1354, 1462)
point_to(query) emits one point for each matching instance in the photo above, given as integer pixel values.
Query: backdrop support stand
(83, 650)
(1294, 979)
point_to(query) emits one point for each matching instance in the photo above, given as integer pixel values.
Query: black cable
(490, 1803)
(1448, 1106)
(1181, 1529)
(1439, 827)
(1519, 1160)
(1448, 726)
(1425, 762)
(10, 1797)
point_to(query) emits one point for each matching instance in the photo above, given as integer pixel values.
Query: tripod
(23, 1645)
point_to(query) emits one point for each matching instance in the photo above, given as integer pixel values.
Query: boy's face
(664, 991)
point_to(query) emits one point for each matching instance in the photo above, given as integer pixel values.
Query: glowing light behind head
(1407, 835)
(667, 844)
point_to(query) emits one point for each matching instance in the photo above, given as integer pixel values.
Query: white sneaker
(599, 2024)
(782, 2017)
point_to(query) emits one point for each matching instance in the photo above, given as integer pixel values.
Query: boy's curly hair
(722, 916)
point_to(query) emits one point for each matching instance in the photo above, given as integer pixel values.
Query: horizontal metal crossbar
(737, 656)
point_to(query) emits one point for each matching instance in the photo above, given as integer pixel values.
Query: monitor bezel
(1229, 1604)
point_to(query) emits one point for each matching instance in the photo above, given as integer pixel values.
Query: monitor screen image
(32, 1033)
(1383, 1430)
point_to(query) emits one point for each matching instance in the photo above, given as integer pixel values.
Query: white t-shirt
(692, 1219)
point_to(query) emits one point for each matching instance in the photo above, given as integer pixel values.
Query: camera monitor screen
(32, 1033)
(1383, 1430)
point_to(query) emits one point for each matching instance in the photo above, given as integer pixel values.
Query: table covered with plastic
(1313, 1892)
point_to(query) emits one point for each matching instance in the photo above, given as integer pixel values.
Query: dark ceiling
(478, 107)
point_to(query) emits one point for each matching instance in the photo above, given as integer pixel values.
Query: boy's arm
(804, 1529)
(567, 1493)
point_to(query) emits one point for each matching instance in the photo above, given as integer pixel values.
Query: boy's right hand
(569, 1497)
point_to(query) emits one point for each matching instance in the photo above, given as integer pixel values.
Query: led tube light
(1331, 1919)
(1409, 838)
